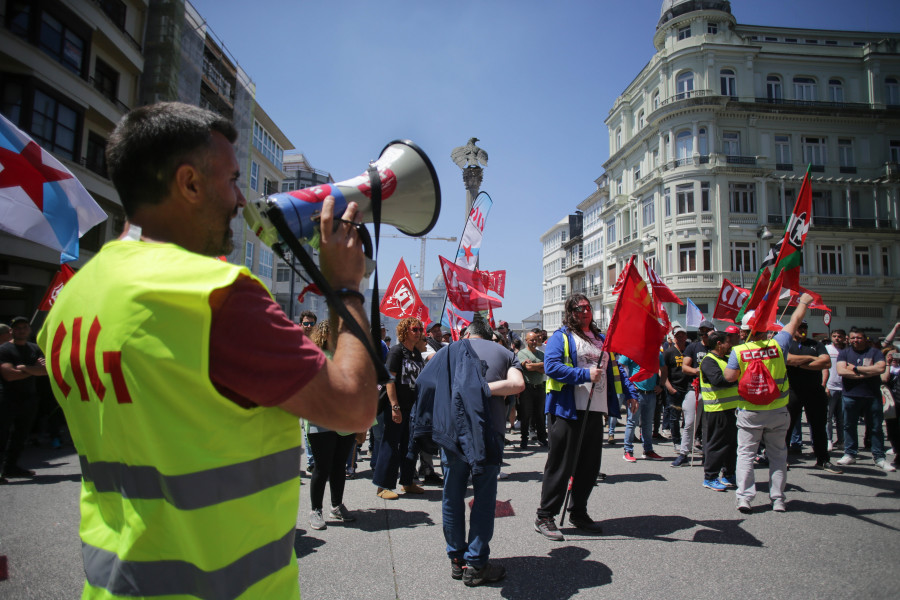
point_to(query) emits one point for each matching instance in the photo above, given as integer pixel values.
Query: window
(684, 197)
(269, 187)
(830, 259)
(702, 141)
(861, 259)
(707, 256)
(668, 258)
(618, 138)
(704, 196)
(648, 210)
(620, 187)
(814, 151)
(804, 88)
(655, 99)
(894, 151)
(743, 256)
(684, 85)
(712, 28)
(283, 273)
(773, 88)
(886, 262)
(684, 144)
(742, 197)
(95, 158)
(845, 155)
(115, 10)
(288, 186)
(891, 91)
(611, 231)
(611, 276)
(60, 42)
(640, 120)
(248, 256)
(835, 90)
(265, 262)
(783, 151)
(731, 143)
(687, 257)
(637, 174)
(54, 125)
(727, 82)
(684, 32)
(650, 258)
(254, 176)
(667, 204)
(266, 144)
(106, 80)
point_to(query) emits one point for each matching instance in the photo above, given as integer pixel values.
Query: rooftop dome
(675, 8)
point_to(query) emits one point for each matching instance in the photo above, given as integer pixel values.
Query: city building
(69, 70)
(708, 147)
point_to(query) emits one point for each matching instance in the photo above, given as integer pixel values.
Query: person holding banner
(581, 375)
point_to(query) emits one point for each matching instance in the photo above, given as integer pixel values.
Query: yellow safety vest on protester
(773, 359)
(552, 385)
(717, 398)
(184, 493)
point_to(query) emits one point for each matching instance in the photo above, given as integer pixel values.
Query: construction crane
(421, 252)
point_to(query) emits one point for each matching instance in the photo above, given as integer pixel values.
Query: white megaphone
(410, 198)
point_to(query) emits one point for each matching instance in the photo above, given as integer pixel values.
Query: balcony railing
(784, 167)
(688, 95)
(848, 169)
(816, 103)
(740, 160)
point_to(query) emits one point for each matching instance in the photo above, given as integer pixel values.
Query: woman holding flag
(584, 383)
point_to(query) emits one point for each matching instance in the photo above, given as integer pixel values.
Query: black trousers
(331, 451)
(719, 443)
(531, 411)
(814, 401)
(17, 415)
(561, 463)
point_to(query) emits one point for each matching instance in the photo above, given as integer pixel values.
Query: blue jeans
(873, 415)
(477, 549)
(643, 419)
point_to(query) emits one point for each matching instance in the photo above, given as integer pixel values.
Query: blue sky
(532, 80)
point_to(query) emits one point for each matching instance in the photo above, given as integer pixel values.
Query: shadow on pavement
(634, 477)
(382, 519)
(868, 478)
(46, 479)
(660, 527)
(564, 573)
(833, 509)
(523, 476)
(305, 545)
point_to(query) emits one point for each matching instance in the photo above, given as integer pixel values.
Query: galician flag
(694, 316)
(470, 244)
(40, 199)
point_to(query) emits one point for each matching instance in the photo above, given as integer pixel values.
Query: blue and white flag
(694, 316)
(40, 199)
(468, 252)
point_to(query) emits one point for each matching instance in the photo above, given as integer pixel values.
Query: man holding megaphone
(182, 379)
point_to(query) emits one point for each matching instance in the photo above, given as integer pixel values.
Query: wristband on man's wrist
(347, 292)
(395, 408)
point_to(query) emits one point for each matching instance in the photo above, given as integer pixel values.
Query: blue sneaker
(728, 482)
(714, 484)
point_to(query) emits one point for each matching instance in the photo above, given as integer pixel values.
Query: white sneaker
(847, 460)
(830, 445)
(778, 505)
(501, 475)
(890, 451)
(885, 465)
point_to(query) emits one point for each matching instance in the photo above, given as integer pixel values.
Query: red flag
(401, 300)
(621, 280)
(465, 290)
(817, 301)
(62, 277)
(494, 281)
(731, 299)
(634, 328)
(767, 310)
(312, 289)
(759, 290)
(456, 321)
(660, 290)
(663, 315)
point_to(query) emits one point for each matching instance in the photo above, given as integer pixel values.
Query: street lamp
(648, 239)
(764, 233)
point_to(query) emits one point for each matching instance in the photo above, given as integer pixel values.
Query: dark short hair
(480, 329)
(151, 142)
(310, 314)
(840, 331)
(714, 338)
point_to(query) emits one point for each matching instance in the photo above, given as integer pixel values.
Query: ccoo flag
(40, 199)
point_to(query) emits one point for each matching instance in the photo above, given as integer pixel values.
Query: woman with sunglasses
(578, 370)
(404, 362)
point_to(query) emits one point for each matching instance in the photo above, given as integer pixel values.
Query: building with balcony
(556, 284)
(709, 144)
(69, 70)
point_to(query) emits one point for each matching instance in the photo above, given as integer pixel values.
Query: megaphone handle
(336, 304)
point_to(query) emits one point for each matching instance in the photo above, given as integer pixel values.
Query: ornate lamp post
(469, 158)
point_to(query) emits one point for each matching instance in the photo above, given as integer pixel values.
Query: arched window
(805, 89)
(640, 120)
(891, 90)
(728, 82)
(655, 99)
(684, 85)
(684, 144)
(702, 142)
(835, 90)
(773, 88)
(618, 139)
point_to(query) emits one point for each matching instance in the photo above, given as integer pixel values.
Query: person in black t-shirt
(807, 363)
(676, 384)
(21, 362)
(693, 354)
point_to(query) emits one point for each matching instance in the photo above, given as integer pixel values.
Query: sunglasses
(581, 309)
(416, 329)
(307, 323)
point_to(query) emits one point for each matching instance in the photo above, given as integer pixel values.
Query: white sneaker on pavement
(847, 460)
(885, 465)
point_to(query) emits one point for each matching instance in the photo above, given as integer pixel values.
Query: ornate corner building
(708, 146)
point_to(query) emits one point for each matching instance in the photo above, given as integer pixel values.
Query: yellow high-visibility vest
(773, 359)
(717, 398)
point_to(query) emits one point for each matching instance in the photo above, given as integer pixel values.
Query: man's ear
(187, 182)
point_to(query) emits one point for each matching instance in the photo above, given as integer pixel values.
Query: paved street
(665, 537)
